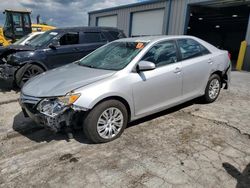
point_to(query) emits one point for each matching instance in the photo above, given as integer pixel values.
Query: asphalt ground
(191, 145)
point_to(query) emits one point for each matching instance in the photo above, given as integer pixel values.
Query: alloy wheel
(214, 88)
(110, 123)
(29, 73)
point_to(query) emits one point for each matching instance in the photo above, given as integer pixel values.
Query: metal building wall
(248, 31)
(179, 16)
(124, 14)
(178, 19)
(246, 65)
(176, 10)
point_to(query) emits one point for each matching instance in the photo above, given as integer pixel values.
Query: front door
(67, 51)
(162, 87)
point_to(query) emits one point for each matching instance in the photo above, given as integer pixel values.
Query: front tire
(212, 89)
(106, 121)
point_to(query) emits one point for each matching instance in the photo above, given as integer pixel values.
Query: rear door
(196, 67)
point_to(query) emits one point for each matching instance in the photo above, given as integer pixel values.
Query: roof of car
(37, 33)
(153, 38)
(168, 37)
(88, 29)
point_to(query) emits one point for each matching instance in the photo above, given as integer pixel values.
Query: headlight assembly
(50, 107)
(69, 99)
(20, 56)
(56, 106)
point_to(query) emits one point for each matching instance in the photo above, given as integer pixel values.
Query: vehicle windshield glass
(43, 39)
(114, 56)
(21, 40)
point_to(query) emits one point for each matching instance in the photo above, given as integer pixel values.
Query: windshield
(114, 56)
(43, 39)
(21, 40)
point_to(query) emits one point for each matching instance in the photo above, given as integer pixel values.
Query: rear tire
(105, 122)
(212, 89)
(29, 73)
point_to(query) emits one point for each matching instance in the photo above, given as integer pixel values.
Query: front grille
(30, 107)
(30, 102)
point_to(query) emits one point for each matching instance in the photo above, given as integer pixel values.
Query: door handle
(177, 70)
(210, 61)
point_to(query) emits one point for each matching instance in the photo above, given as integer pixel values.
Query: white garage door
(108, 21)
(147, 23)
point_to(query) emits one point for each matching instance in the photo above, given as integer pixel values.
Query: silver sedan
(123, 81)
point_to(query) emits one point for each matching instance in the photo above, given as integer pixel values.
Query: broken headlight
(50, 107)
(54, 107)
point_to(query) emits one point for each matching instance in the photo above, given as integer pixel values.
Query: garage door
(108, 21)
(147, 23)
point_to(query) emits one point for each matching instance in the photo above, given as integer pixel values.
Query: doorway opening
(224, 27)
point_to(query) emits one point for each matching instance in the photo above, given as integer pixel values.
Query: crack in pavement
(220, 123)
(9, 101)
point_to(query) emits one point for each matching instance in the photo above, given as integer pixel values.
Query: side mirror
(27, 43)
(145, 66)
(53, 47)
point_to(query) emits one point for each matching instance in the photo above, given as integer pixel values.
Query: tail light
(229, 55)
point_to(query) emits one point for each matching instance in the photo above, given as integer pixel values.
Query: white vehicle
(26, 39)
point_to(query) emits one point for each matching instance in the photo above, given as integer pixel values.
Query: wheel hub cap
(110, 123)
(30, 73)
(214, 88)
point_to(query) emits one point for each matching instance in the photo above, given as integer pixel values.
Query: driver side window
(163, 53)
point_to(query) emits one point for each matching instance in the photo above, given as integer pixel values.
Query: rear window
(92, 37)
(117, 34)
(190, 48)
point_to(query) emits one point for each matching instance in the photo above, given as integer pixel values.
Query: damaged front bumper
(49, 113)
(7, 72)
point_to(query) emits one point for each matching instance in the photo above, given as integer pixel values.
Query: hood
(60, 81)
(15, 48)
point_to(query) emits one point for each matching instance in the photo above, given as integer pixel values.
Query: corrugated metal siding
(179, 15)
(248, 32)
(246, 65)
(123, 15)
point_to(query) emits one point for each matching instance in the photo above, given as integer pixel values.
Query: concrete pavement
(192, 145)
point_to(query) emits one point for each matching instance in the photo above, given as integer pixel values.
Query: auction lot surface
(192, 145)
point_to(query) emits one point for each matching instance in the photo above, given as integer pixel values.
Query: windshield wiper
(89, 66)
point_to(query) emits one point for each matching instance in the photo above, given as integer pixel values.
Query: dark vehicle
(52, 49)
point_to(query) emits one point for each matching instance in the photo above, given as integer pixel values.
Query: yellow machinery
(242, 52)
(17, 25)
